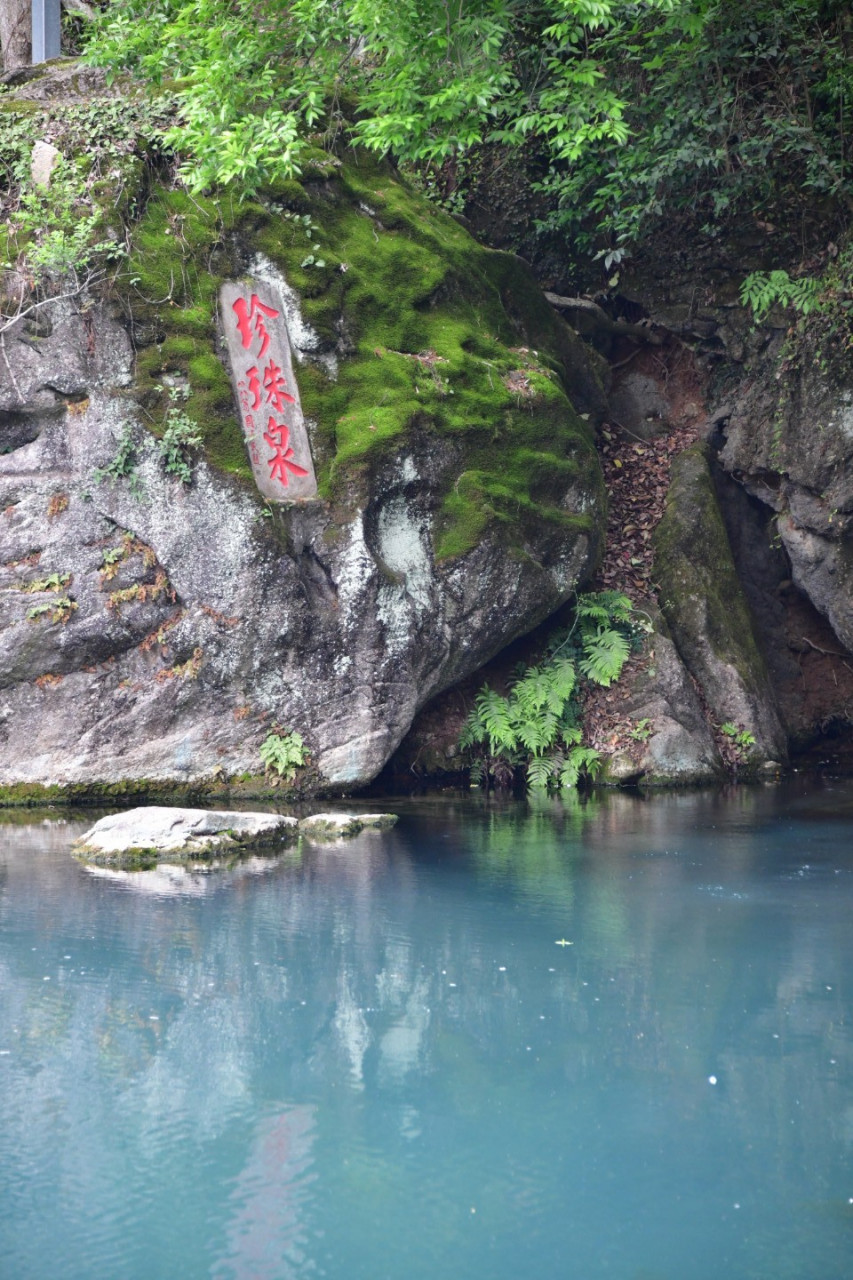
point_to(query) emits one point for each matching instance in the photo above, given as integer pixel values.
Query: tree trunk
(15, 33)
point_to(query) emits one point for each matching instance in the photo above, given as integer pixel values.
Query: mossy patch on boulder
(431, 335)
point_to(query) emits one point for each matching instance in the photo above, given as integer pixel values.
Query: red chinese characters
(274, 386)
(265, 385)
(277, 437)
(250, 322)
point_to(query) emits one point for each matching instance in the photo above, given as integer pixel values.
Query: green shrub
(122, 465)
(180, 435)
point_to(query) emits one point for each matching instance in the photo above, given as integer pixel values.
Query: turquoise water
(376, 1061)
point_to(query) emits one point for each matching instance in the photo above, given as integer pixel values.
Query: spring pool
(611, 1039)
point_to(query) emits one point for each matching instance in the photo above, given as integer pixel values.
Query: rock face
(678, 748)
(707, 613)
(156, 630)
(173, 834)
(781, 419)
(789, 440)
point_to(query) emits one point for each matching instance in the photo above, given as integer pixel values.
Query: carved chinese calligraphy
(262, 372)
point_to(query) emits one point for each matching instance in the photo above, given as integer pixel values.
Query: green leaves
(122, 465)
(728, 108)
(434, 77)
(761, 291)
(284, 754)
(536, 724)
(181, 436)
(605, 654)
(633, 111)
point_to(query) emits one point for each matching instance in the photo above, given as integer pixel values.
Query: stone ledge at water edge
(140, 836)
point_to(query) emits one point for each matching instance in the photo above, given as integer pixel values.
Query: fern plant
(284, 754)
(606, 633)
(536, 725)
(761, 291)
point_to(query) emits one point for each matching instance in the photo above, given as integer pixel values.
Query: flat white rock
(156, 829)
(335, 826)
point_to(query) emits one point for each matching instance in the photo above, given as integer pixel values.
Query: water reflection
(373, 1059)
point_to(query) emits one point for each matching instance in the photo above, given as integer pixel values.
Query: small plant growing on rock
(284, 754)
(183, 670)
(56, 506)
(181, 434)
(739, 737)
(141, 592)
(60, 610)
(122, 465)
(54, 582)
(111, 559)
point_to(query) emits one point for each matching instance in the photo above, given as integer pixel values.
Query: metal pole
(46, 30)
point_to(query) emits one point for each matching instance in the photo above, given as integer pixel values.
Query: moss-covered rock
(707, 612)
(450, 413)
(425, 333)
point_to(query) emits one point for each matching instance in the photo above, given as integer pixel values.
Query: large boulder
(158, 631)
(662, 733)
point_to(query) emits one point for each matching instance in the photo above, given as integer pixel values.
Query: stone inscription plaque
(266, 391)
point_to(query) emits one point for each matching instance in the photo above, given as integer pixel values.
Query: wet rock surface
(153, 834)
(321, 828)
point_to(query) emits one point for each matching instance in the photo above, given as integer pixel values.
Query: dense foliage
(725, 105)
(535, 728)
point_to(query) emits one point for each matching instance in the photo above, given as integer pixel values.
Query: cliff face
(157, 629)
(789, 442)
(766, 520)
(163, 616)
(742, 552)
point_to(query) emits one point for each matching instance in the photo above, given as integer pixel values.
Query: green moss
(20, 107)
(31, 794)
(177, 267)
(433, 345)
(203, 791)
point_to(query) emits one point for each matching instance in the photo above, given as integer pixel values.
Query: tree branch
(601, 320)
